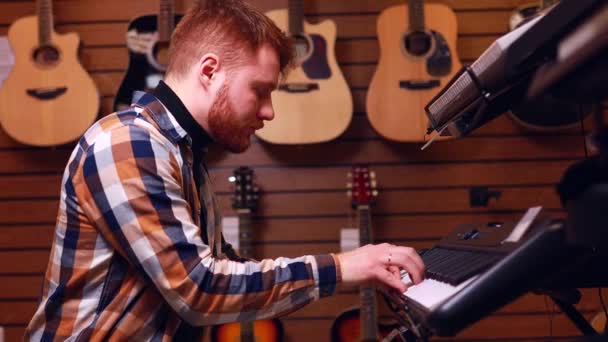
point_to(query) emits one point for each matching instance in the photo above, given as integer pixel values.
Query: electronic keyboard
(474, 271)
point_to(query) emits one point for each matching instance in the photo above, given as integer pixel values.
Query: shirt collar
(172, 116)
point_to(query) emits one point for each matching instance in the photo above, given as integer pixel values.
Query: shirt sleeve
(133, 176)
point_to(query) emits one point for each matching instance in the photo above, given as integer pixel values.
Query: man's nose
(266, 112)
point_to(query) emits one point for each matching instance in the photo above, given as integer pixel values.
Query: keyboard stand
(565, 300)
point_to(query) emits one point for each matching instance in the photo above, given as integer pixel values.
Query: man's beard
(224, 124)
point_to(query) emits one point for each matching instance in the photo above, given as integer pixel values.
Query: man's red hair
(232, 29)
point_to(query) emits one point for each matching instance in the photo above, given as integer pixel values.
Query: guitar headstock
(362, 186)
(246, 194)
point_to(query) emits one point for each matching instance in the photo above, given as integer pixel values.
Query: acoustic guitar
(245, 202)
(361, 324)
(313, 103)
(417, 58)
(48, 98)
(547, 113)
(148, 40)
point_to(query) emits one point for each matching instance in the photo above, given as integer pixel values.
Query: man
(136, 256)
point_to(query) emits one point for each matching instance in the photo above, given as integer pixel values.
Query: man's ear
(209, 65)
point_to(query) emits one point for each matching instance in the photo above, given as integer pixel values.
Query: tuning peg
(232, 179)
(373, 184)
(375, 193)
(349, 175)
(349, 185)
(372, 175)
(349, 194)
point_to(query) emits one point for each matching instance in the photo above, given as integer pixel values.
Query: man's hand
(381, 263)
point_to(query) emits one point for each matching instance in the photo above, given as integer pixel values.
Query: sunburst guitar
(313, 103)
(417, 58)
(48, 98)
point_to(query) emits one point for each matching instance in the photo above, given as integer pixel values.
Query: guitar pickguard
(439, 62)
(316, 66)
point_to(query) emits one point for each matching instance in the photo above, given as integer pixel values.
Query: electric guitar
(361, 324)
(546, 113)
(245, 202)
(313, 103)
(48, 98)
(148, 40)
(417, 58)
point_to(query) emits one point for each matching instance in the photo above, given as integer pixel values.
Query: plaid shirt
(128, 261)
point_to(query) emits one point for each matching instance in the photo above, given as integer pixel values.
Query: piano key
(430, 292)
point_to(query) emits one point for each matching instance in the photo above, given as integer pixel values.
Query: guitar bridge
(419, 85)
(299, 87)
(46, 93)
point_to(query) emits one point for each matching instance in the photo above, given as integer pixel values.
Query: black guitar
(245, 202)
(148, 43)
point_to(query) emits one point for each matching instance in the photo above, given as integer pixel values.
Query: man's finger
(410, 253)
(395, 270)
(413, 268)
(390, 280)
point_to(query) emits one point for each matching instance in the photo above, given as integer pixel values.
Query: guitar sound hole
(46, 55)
(418, 43)
(160, 52)
(302, 47)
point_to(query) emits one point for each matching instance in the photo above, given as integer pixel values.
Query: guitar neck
(245, 238)
(368, 318)
(166, 22)
(416, 15)
(44, 9)
(246, 251)
(296, 17)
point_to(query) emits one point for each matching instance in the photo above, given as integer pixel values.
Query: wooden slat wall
(423, 195)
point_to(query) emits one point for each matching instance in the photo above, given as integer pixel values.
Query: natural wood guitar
(313, 103)
(148, 40)
(48, 98)
(245, 202)
(417, 58)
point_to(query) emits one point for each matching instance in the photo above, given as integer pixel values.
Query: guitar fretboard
(369, 326)
(45, 21)
(166, 22)
(296, 17)
(416, 15)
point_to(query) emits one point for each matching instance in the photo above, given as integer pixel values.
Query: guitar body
(316, 115)
(143, 72)
(403, 82)
(598, 322)
(51, 104)
(270, 330)
(546, 113)
(347, 327)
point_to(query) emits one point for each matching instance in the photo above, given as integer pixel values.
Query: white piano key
(430, 292)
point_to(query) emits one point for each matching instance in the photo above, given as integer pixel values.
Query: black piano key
(444, 256)
(479, 267)
(453, 274)
(441, 271)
